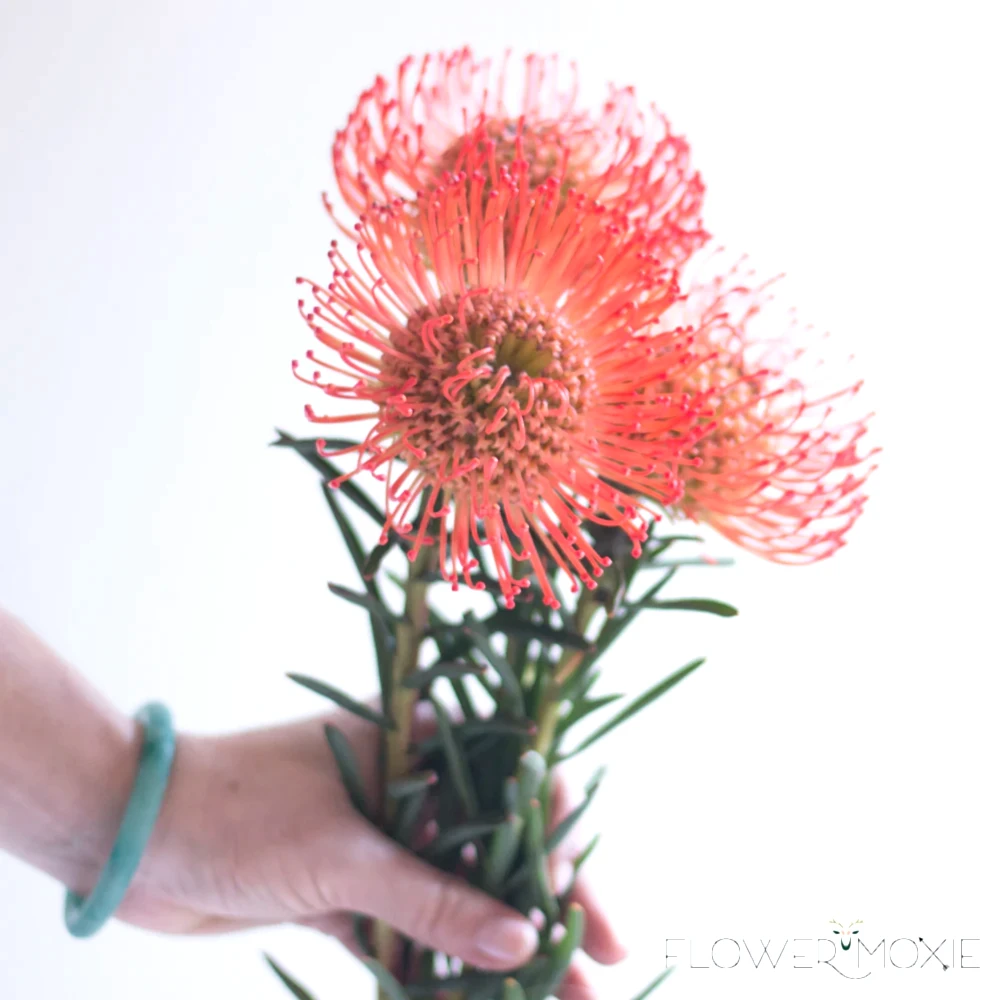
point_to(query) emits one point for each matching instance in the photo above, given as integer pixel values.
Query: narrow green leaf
(360, 925)
(530, 775)
(563, 829)
(578, 686)
(350, 536)
(449, 669)
(512, 624)
(366, 601)
(458, 836)
(537, 867)
(512, 795)
(306, 447)
(499, 663)
(581, 858)
(350, 773)
(382, 639)
(583, 707)
(343, 700)
(562, 954)
(462, 697)
(335, 443)
(503, 849)
(371, 564)
(536, 972)
(655, 984)
(660, 545)
(411, 785)
(432, 989)
(464, 732)
(614, 627)
(512, 990)
(407, 816)
(692, 604)
(495, 693)
(388, 983)
(452, 641)
(293, 986)
(636, 706)
(458, 767)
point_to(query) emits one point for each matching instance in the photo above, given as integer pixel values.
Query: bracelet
(85, 917)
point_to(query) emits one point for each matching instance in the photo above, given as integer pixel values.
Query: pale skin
(256, 827)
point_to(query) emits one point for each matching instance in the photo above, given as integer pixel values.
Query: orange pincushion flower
(777, 468)
(499, 337)
(402, 139)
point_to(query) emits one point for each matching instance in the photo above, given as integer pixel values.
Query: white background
(160, 172)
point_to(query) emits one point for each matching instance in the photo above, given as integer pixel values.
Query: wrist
(68, 762)
(87, 819)
(183, 812)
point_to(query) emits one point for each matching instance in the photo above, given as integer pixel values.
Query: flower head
(778, 466)
(403, 137)
(498, 337)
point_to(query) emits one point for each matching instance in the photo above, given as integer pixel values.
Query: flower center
(541, 147)
(737, 425)
(494, 382)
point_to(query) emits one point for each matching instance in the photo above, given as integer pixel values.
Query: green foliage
(306, 447)
(508, 678)
(512, 990)
(294, 987)
(575, 922)
(693, 604)
(458, 836)
(485, 773)
(414, 784)
(449, 669)
(367, 601)
(388, 984)
(503, 849)
(654, 985)
(350, 773)
(637, 706)
(338, 697)
(563, 830)
(458, 765)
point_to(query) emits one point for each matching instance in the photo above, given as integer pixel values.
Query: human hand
(258, 829)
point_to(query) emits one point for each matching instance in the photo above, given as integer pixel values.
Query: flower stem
(551, 700)
(410, 634)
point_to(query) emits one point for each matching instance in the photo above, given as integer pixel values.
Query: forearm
(67, 761)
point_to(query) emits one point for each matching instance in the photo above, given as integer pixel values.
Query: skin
(256, 827)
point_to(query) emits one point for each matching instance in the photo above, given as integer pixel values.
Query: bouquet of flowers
(553, 368)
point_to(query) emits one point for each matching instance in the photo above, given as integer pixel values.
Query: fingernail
(508, 940)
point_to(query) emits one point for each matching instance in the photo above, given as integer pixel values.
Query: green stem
(551, 700)
(410, 634)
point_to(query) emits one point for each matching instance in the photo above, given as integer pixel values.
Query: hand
(258, 829)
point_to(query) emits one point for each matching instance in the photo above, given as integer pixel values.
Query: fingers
(436, 909)
(576, 986)
(599, 939)
(364, 737)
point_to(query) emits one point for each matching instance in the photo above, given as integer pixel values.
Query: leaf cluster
(486, 774)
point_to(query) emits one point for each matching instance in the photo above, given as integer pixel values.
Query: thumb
(439, 910)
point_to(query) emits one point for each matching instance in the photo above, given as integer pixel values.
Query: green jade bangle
(85, 917)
